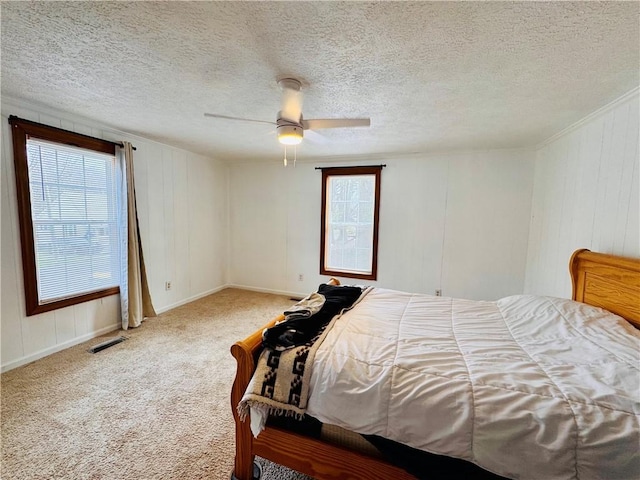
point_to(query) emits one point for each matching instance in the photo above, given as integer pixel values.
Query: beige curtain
(134, 297)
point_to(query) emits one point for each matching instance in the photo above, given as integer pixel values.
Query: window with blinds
(351, 198)
(69, 203)
(74, 215)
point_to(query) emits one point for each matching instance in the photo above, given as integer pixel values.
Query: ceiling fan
(289, 123)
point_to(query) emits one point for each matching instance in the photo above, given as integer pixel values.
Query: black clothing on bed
(298, 331)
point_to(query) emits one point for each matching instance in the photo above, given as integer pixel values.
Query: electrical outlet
(300, 277)
(438, 292)
(167, 285)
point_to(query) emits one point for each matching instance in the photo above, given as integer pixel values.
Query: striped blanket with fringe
(280, 383)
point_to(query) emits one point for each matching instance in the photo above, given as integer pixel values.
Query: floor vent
(106, 344)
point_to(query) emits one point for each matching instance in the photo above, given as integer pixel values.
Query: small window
(69, 209)
(349, 228)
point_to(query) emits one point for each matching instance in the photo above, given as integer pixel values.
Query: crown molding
(376, 158)
(635, 92)
(111, 133)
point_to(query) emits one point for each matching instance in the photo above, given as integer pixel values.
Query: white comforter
(526, 387)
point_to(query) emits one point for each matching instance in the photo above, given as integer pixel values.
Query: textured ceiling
(431, 76)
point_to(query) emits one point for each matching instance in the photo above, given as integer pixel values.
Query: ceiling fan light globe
(290, 139)
(289, 135)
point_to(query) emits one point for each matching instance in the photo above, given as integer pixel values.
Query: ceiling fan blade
(317, 124)
(226, 117)
(291, 108)
(315, 137)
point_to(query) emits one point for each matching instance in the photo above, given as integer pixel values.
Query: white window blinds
(349, 230)
(75, 219)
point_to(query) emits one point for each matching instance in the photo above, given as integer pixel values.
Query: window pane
(363, 258)
(73, 207)
(349, 223)
(339, 189)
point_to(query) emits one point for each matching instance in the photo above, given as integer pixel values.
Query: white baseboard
(267, 290)
(56, 348)
(190, 299)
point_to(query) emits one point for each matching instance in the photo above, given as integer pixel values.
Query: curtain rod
(358, 166)
(121, 145)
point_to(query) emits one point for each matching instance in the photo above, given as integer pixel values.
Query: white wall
(458, 222)
(465, 223)
(585, 195)
(182, 208)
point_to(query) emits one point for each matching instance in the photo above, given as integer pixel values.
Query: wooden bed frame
(606, 281)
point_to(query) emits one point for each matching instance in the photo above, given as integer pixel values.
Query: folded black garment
(298, 331)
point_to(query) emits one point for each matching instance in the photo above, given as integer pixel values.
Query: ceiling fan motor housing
(290, 83)
(289, 133)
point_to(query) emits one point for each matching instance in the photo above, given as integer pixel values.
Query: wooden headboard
(607, 281)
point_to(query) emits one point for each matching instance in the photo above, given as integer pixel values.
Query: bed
(605, 281)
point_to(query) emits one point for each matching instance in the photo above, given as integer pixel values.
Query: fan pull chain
(285, 155)
(295, 155)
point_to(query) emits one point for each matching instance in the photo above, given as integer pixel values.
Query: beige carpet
(153, 407)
